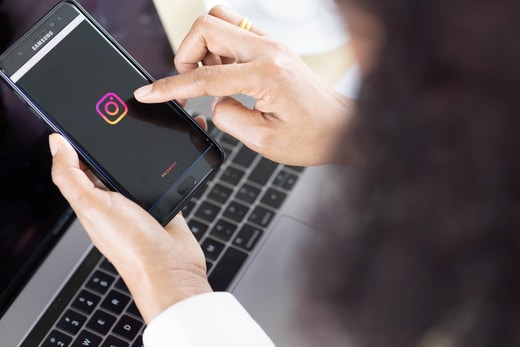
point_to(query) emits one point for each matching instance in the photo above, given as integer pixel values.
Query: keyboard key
(212, 248)
(101, 322)
(108, 267)
(138, 342)
(273, 198)
(226, 269)
(113, 341)
(121, 285)
(186, 210)
(232, 175)
(128, 327)
(245, 157)
(223, 230)
(57, 339)
(263, 171)
(285, 180)
(71, 322)
(220, 194)
(198, 228)
(227, 150)
(132, 309)
(86, 302)
(200, 191)
(226, 138)
(248, 193)
(115, 302)
(296, 168)
(209, 265)
(247, 237)
(100, 282)
(86, 339)
(261, 216)
(207, 211)
(236, 211)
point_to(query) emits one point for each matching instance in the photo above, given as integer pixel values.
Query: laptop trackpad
(270, 287)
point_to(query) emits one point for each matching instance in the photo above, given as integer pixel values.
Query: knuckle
(93, 206)
(277, 63)
(204, 77)
(167, 85)
(177, 60)
(218, 10)
(57, 176)
(163, 87)
(203, 21)
(159, 85)
(261, 139)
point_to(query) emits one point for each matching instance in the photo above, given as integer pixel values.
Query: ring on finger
(245, 24)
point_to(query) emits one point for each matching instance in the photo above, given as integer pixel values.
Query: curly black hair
(431, 221)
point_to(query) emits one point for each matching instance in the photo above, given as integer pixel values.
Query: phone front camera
(52, 24)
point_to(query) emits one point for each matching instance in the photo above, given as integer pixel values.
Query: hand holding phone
(80, 82)
(134, 242)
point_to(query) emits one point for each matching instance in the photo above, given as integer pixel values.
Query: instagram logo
(111, 108)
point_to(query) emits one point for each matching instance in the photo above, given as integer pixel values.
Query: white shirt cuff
(212, 319)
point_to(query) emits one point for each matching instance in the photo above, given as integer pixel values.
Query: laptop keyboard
(228, 216)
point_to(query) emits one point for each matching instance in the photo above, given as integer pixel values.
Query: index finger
(218, 80)
(216, 36)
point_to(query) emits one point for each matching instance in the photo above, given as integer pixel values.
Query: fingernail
(143, 91)
(53, 146)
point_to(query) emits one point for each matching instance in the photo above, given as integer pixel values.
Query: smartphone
(80, 82)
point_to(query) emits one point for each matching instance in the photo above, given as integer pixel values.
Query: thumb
(66, 172)
(232, 117)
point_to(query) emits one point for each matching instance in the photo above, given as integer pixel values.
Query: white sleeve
(212, 319)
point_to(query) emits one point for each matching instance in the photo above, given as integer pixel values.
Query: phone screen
(84, 84)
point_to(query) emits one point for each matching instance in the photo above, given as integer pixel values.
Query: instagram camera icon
(111, 108)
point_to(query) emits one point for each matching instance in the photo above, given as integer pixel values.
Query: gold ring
(245, 24)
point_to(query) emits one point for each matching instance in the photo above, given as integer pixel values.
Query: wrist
(159, 296)
(154, 290)
(337, 117)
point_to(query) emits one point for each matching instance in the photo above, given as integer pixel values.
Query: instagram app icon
(111, 108)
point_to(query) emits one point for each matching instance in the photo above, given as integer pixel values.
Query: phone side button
(187, 185)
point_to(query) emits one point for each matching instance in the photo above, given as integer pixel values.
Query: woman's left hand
(160, 265)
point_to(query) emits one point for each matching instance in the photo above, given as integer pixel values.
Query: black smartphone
(80, 82)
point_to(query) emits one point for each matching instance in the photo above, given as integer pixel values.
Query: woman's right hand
(297, 118)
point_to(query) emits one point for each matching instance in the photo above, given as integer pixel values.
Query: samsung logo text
(42, 40)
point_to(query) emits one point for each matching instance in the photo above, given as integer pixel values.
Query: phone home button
(187, 185)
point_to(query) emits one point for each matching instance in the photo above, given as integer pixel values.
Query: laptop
(252, 220)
